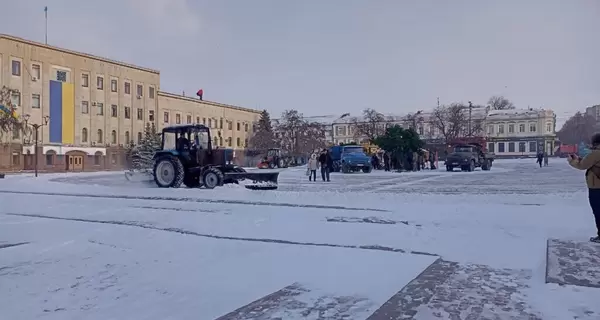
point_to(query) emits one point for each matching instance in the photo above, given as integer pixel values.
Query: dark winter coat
(326, 160)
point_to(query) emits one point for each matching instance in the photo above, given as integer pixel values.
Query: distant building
(509, 133)
(517, 133)
(594, 111)
(326, 122)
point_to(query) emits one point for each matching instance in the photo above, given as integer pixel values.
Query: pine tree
(264, 137)
(141, 155)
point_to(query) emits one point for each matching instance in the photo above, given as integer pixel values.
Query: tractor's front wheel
(212, 178)
(168, 172)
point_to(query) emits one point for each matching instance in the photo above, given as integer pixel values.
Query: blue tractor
(350, 158)
(187, 157)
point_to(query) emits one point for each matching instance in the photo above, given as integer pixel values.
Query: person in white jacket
(313, 166)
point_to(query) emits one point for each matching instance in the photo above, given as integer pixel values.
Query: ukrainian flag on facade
(62, 112)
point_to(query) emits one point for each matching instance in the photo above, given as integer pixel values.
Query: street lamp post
(36, 127)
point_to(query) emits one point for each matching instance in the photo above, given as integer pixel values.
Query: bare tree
(312, 137)
(579, 128)
(500, 103)
(9, 122)
(298, 136)
(371, 125)
(450, 121)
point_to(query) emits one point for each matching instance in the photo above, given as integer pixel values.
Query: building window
(84, 135)
(238, 126)
(151, 92)
(239, 142)
(245, 143)
(35, 101)
(85, 107)
(421, 131)
(139, 137)
(140, 90)
(549, 126)
(491, 147)
(140, 114)
(521, 146)
(85, 80)
(491, 129)
(100, 108)
(97, 157)
(189, 119)
(221, 123)
(100, 137)
(127, 113)
(500, 128)
(114, 111)
(49, 159)
(177, 118)
(113, 85)
(521, 128)
(151, 115)
(220, 141)
(100, 83)
(166, 117)
(500, 146)
(246, 127)
(532, 146)
(113, 137)
(204, 121)
(16, 132)
(229, 142)
(511, 147)
(230, 125)
(210, 123)
(127, 88)
(15, 98)
(532, 127)
(127, 137)
(16, 68)
(61, 75)
(511, 128)
(197, 120)
(36, 71)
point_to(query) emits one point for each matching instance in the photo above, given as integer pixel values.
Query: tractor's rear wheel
(168, 172)
(212, 178)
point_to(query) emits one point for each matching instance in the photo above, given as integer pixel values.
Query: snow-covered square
(419, 245)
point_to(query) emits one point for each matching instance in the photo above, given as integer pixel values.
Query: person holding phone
(591, 164)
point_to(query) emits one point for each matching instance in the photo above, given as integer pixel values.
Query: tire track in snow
(407, 183)
(213, 236)
(184, 199)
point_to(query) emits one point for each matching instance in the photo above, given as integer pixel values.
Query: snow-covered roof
(517, 112)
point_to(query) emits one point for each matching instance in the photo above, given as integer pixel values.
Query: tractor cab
(192, 143)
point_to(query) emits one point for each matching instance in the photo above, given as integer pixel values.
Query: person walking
(326, 163)
(540, 157)
(591, 165)
(386, 161)
(313, 165)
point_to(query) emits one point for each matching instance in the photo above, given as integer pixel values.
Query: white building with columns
(509, 133)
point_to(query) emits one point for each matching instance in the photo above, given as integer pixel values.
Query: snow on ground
(97, 246)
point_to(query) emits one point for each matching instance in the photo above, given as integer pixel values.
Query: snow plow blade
(260, 180)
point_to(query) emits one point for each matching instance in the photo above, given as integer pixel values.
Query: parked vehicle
(187, 156)
(467, 157)
(350, 158)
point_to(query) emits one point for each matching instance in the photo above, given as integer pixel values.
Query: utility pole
(46, 16)
(470, 117)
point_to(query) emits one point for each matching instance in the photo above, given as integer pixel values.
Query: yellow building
(95, 106)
